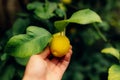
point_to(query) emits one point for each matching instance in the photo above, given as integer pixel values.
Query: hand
(41, 67)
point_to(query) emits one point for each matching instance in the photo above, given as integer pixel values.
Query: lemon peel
(67, 1)
(59, 45)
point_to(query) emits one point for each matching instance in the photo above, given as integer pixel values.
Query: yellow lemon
(67, 1)
(59, 45)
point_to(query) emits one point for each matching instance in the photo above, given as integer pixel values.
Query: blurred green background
(87, 63)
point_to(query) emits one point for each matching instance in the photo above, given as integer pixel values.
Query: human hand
(41, 67)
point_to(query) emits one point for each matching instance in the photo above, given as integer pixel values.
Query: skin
(42, 67)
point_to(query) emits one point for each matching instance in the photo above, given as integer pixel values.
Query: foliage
(114, 72)
(88, 41)
(36, 38)
(81, 17)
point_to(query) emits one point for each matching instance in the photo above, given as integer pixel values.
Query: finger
(68, 56)
(63, 64)
(65, 61)
(70, 47)
(55, 60)
(45, 53)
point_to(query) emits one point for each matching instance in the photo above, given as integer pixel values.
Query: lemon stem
(100, 33)
(64, 31)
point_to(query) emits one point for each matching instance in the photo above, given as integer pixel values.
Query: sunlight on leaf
(114, 72)
(85, 16)
(111, 51)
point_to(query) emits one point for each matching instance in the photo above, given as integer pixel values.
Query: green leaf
(34, 5)
(7, 73)
(111, 51)
(44, 11)
(20, 26)
(22, 61)
(114, 72)
(85, 16)
(60, 12)
(25, 45)
(47, 11)
(4, 57)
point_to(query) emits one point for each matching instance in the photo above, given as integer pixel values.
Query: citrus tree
(50, 23)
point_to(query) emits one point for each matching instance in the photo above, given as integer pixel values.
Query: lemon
(59, 45)
(67, 1)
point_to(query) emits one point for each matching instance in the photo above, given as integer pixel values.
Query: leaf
(22, 61)
(44, 11)
(114, 72)
(60, 12)
(7, 73)
(34, 5)
(4, 57)
(111, 51)
(85, 16)
(20, 26)
(25, 45)
(47, 11)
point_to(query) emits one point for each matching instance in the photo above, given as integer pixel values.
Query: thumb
(45, 53)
